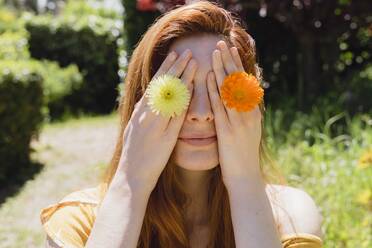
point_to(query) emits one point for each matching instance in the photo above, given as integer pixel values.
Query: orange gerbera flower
(241, 91)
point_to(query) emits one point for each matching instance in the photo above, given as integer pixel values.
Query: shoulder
(295, 210)
(69, 220)
(73, 201)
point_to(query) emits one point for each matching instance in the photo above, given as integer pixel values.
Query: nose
(200, 108)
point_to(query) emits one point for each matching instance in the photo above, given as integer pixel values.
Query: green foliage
(21, 103)
(329, 155)
(13, 45)
(357, 92)
(135, 24)
(88, 41)
(31, 91)
(9, 20)
(88, 7)
(59, 85)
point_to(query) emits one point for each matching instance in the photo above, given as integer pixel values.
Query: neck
(196, 186)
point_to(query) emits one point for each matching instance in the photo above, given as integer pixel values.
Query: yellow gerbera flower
(241, 91)
(167, 95)
(365, 160)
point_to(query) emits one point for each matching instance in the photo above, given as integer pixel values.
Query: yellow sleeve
(69, 222)
(301, 240)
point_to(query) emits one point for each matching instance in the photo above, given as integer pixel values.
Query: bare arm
(252, 216)
(119, 220)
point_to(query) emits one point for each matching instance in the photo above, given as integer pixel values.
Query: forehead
(201, 45)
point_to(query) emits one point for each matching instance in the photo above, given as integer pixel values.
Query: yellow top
(69, 221)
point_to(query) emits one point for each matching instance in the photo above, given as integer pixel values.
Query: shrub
(88, 7)
(89, 42)
(13, 45)
(21, 102)
(59, 85)
(9, 21)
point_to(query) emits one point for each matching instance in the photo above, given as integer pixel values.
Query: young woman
(164, 187)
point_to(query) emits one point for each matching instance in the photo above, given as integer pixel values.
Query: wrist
(248, 182)
(122, 185)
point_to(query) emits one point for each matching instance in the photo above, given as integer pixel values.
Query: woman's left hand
(238, 133)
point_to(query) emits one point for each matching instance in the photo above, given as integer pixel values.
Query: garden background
(62, 64)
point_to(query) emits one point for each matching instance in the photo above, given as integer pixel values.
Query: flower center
(238, 95)
(167, 95)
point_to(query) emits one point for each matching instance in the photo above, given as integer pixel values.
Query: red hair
(164, 224)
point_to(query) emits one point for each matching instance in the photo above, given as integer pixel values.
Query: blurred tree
(36, 6)
(23, 4)
(318, 27)
(312, 45)
(137, 17)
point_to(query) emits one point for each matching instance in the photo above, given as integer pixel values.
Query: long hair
(164, 224)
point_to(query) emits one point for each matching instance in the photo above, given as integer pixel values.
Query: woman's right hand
(149, 139)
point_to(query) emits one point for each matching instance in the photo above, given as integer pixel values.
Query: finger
(175, 123)
(217, 65)
(178, 67)
(188, 74)
(237, 59)
(220, 116)
(167, 63)
(187, 78)
(220, 74)
(227, 59)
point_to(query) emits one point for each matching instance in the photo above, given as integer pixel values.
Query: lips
(197, 136)
(199, 141)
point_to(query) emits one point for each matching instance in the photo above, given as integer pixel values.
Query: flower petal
(168, 95)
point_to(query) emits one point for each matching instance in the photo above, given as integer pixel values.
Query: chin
(195, 166)
(195, 158)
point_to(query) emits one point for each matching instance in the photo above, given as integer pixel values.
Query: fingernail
(173, 55)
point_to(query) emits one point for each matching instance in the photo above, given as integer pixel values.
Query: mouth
(199, 141)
